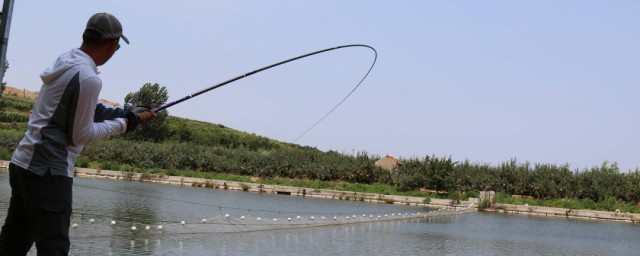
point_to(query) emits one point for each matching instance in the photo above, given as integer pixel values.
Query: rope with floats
(170, 104)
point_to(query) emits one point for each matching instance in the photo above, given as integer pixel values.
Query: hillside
(20, 93)
(19, 102)
(32, 95)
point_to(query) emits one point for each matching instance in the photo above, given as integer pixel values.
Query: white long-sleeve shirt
(66, 116)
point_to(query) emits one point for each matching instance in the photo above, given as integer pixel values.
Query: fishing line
(167, 105)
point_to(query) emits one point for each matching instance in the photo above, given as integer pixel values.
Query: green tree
(184, 133)
(150, 95)
(411, 175)
(440, 172)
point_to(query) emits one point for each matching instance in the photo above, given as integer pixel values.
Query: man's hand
(145, 114)
(138, 115)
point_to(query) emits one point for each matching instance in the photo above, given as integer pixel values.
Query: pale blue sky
(542, 81)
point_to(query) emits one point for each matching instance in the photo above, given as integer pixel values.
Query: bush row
(13, 118)
(16, 104)
(542, 181)
(290, 162)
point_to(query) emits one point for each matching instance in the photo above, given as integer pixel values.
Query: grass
(607, 204)
(5, 153)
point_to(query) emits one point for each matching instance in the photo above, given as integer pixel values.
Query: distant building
(388, 163)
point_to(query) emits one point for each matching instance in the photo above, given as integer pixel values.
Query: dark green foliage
(550, 181)
(291, 163)
(82, 162)
(13, 118)
(430, 172)
(14, 104)
(411, 175)
(606, 181)
(14, 110)
(150, 95)
(5, 153)
(9, 141)
(184, 130)
(540, 181)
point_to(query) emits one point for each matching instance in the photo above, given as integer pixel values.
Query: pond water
(145, 205)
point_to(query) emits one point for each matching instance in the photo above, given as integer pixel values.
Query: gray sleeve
(105, 112)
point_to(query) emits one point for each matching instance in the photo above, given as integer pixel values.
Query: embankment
(355, 196)
(565, 213)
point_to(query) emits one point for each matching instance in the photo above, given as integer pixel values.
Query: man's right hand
(138, 115)
(145, 114)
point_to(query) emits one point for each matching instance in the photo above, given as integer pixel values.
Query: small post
(5, 25)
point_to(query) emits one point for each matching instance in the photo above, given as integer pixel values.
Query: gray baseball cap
(107, 26)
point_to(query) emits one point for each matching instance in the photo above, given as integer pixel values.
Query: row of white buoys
(133, 228)
(348, 218)
(147, 227)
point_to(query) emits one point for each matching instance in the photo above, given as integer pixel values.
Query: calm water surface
(139, 204)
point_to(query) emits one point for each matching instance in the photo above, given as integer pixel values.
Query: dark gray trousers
(39, 211)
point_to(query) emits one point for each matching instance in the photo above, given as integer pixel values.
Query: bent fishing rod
(170, 104)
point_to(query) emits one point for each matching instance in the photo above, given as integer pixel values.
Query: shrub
(82, 162)
(13, 118)
(608, 204)
(484, 204)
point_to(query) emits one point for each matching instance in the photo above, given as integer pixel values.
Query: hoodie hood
(66, 61)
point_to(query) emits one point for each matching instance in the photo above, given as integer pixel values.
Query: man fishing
(65, 117)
